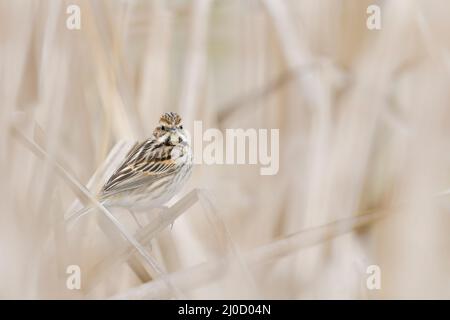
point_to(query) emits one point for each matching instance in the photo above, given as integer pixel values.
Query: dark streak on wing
(145, 162)
(125, 170)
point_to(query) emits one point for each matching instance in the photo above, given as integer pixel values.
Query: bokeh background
(364, 122)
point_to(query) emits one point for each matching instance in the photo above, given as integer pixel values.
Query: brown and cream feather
(154, 170)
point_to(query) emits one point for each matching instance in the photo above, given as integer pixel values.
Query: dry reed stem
(85, 195)
(210, 271)
(144, 235)
(195, 64)
(363, 119)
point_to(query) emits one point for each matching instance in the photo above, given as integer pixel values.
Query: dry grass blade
(79, 189)
(195, 63)
(230, 108)
(220, 229)
(210, 271)
(109, 165)
(347, 99)
(144, 235)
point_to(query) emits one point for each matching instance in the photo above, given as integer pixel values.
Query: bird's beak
(174, 138)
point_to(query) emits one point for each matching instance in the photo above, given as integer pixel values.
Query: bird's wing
(146, 162)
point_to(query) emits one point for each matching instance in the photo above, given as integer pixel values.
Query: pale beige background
(364, 119)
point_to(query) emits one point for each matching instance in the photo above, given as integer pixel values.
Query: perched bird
(152, 172)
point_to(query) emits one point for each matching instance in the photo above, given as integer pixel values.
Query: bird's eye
(181, 127)
(163, 128)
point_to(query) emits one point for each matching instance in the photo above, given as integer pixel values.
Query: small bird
(152, 172)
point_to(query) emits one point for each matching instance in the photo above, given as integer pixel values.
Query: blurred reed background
(364, 123)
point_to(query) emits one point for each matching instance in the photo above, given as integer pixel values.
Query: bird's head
(170, 129)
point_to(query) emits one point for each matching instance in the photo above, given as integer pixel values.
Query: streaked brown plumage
(153, 171)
